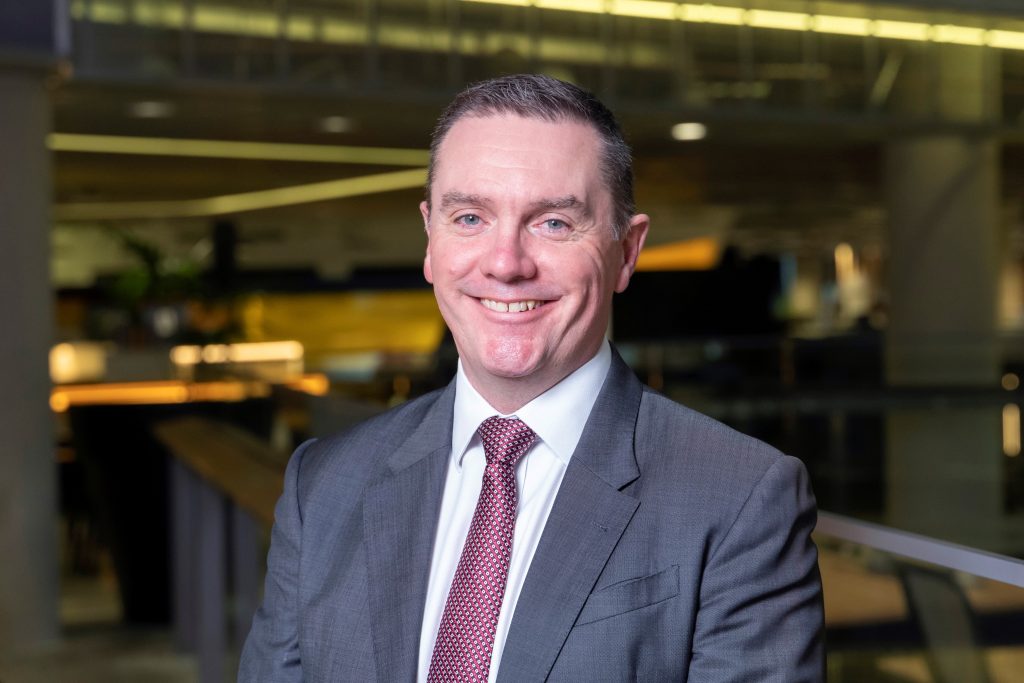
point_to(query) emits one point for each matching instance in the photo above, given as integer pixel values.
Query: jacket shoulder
(678, 440)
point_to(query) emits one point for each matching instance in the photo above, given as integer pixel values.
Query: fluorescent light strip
(961, 35)
(233, 20)
(228, 149)
(243, 352)
(843, 26)
(791, 21)
(644, 9)
(900, 30)
(245, 201)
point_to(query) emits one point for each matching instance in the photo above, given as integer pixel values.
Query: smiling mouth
(511, 306)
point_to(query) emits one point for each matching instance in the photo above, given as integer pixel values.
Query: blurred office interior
(210, 250)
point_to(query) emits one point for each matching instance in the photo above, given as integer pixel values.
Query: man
(546, 516)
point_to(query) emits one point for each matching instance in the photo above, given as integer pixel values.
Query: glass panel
(892, 619)
(943, 462)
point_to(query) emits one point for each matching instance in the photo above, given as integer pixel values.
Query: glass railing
(904, 608)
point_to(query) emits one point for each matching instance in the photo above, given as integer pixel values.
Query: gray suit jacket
(677, 549)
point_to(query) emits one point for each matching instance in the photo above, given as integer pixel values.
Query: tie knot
(505, 439)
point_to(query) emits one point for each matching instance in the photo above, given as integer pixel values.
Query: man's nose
(507, 257)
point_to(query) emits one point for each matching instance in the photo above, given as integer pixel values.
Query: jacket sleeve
(271, 651)
(761, 616)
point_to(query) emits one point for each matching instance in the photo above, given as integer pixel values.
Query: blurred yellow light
(849, 26)
(59, 402)
(186, 355)
(314, 385)
(689, 131)
(214, 353)
(1009, 40)
(790, 21)
(591, 6)
(231, 149)
(344, 32)
(226, 19)
(62, 362)
(961, 35)
(1011, 430)
(712, 14)
(644, 9)
(243, 352)
(514, 3)
(126, 393)
(136, 393)
(77, 362)
(901, 30)
(844, 259)
(109, 12)
(300, 28)
(255, 352)
(1010, 381)
(330, 324)
(158, 14)
(697, 254)
(244, 201)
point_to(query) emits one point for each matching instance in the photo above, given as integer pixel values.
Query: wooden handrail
(246, 470)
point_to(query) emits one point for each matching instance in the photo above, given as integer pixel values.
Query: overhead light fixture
(689, 131)
(901, 30)
(712, 14)
(231, 149)
(844, 26)
(244, 201)
(151, 109)
(335, 124)
(242, 352)
(644, 9)
(789, 21)
(230, 19)
(157, 392)
(728, 15)
(961, 35)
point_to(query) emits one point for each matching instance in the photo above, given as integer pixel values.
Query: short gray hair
(543, 97)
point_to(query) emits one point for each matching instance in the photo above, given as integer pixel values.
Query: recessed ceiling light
(335, 124)
(151, 109)
(689, 131)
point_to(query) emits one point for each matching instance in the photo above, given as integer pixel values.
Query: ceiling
(795, 121)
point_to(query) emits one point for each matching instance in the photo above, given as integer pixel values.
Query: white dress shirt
(557, 417)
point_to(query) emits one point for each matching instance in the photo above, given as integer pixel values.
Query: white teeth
(512, 307)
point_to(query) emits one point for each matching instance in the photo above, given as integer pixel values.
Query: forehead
(517, 152)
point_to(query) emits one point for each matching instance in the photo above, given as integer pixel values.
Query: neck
(509, 394)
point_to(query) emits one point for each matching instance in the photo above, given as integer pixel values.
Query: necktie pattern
(462, 651)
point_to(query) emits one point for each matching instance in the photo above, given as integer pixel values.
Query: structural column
(942, 185)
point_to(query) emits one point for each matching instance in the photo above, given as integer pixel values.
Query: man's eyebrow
(567, 202)
(454, 198)
(563, 203)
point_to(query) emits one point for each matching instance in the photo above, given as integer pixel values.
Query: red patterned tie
(462, 651)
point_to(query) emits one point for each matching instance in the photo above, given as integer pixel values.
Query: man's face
(521, 250)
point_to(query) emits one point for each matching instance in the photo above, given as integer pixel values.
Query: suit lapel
(399, 521)
(588, 517)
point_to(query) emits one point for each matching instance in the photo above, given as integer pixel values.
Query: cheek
(449, 262)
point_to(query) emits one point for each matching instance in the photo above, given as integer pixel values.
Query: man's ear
(632, 243)
(425, 212)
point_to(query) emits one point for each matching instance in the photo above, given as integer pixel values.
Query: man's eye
(469, 220)
(555, 225)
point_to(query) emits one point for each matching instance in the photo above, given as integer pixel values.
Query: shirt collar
(558, 416)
